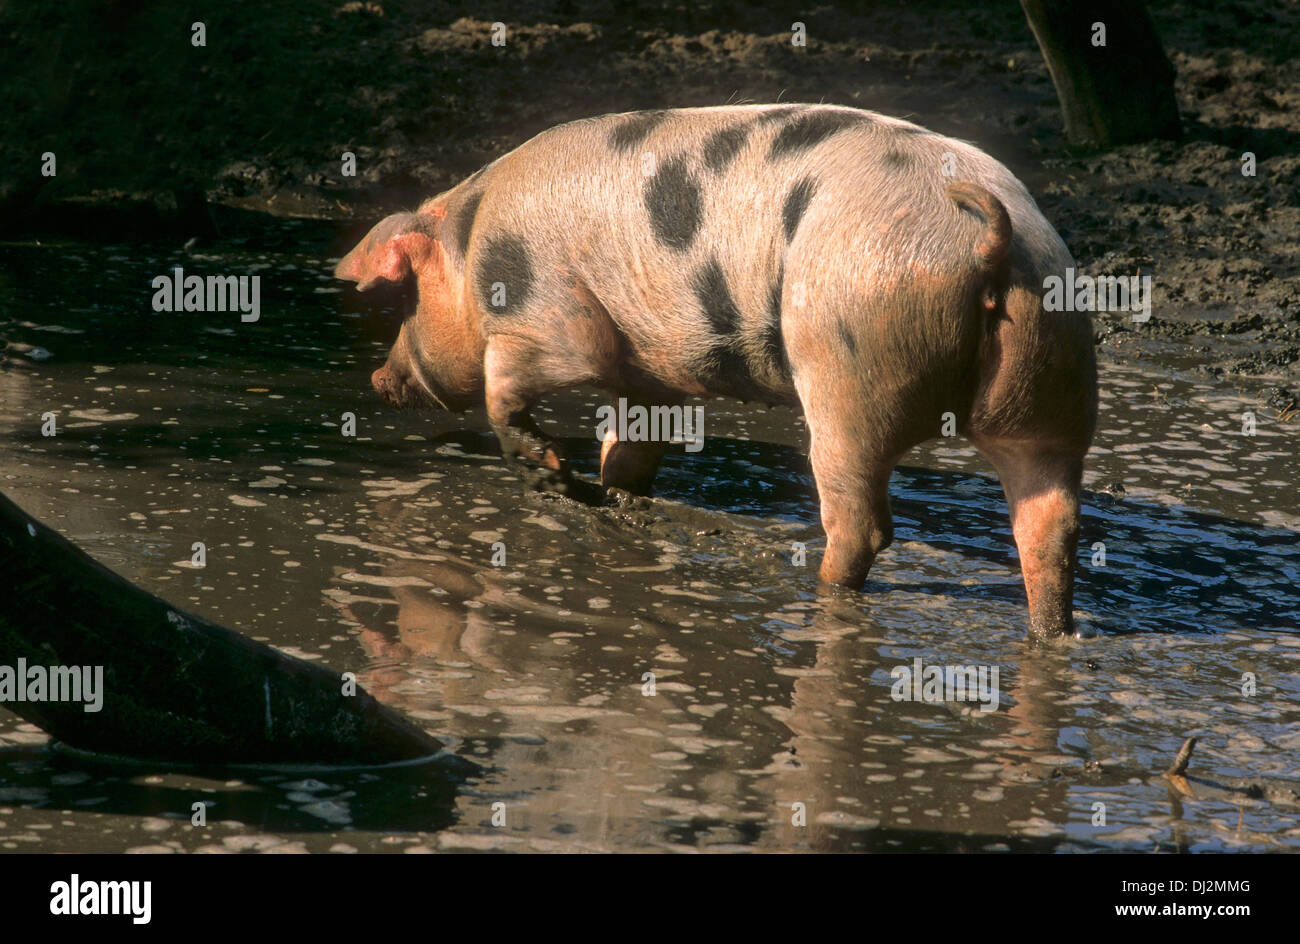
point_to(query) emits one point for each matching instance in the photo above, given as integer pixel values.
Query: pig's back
(700, 230)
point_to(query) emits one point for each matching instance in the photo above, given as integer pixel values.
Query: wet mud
(657, 674)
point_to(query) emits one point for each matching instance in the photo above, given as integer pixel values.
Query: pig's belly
(701, 364)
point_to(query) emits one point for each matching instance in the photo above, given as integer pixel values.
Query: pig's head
(438, 355)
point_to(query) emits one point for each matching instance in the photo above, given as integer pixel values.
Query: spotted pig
(879, 275)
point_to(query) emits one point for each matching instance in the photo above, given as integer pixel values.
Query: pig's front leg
(513, 385)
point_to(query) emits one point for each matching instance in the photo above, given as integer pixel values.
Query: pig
(884, 278)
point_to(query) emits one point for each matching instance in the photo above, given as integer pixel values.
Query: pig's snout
(401, 388)
(393, 389)
(382, 381)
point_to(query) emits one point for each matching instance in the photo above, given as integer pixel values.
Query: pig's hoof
(627, 505)
(548, 480)
(616, 497)
(624, 500)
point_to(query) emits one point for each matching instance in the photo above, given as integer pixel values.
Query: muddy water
(770, 704)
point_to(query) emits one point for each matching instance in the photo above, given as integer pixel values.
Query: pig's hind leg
(851, 463)
(1041, 484)
(1034, 418)
(854, 497)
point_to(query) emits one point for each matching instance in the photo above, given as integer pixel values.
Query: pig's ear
(389, 252)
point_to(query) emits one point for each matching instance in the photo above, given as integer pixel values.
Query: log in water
(139, 677)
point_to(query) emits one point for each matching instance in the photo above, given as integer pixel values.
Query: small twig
(1179, 766)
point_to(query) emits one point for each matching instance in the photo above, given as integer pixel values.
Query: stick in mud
(175, 687)
(1179, 767)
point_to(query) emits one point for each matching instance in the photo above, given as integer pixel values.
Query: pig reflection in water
(614, 769)
(884, 278)
(497, 684)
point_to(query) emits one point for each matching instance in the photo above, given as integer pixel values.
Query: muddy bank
(147, 125)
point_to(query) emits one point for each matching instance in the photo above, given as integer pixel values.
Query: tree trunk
(1113, 94)
(176, 688)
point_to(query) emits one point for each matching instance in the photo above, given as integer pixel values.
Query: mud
(375, 554)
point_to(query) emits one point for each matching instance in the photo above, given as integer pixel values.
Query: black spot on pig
(731, 364)
(673, 198)
(773, 341)
(847, 339)
(723, 370)
(464, 221)
(796, 202)
(629, 134)
(711, 289)
(806, 130)
(505, 275)
(722, 147)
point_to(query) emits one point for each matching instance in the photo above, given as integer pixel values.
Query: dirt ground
(141, 120)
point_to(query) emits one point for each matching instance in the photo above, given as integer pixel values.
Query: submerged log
(176, 688)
